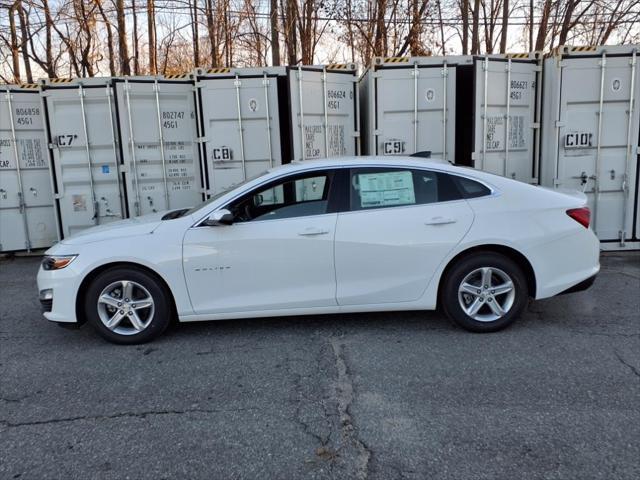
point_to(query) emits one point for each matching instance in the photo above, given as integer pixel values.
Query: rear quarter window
(472, 189)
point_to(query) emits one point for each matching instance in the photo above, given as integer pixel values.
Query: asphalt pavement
(380, 396)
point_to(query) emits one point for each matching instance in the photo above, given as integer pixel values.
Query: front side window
(392, 187)
(298, 196)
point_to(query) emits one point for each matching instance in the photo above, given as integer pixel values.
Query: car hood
(121, 228)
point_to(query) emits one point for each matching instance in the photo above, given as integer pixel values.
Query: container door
(325, 126)
(85, 156)
(505, 115)
(157, 122)
(27, 218)
(415, 109)
(241, 128)
(598, 140)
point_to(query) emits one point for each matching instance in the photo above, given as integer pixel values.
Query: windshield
(220, 194)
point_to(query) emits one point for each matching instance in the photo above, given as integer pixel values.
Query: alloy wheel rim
(486, 294)
(125, 307)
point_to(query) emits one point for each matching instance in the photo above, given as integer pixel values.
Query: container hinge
(559, 123)
(377, 133)
(27, 244)
(474, 156)
(557, 182)
(623, 236)
(57, 196)
(355, 134)
(535, 125)
(124, 168)
(201, 139)
(537, 68)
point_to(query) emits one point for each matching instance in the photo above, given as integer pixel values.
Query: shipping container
(27, 218)
(80, 118)
(254, 118)
(158, 143)
(591, 135)
(470, 110)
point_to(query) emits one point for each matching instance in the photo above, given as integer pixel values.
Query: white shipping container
(505, 115)
(409, 105)
(27, 219)
(474, 111)
(84, 150)
(252, 119)
(592, 133)
(158, 139)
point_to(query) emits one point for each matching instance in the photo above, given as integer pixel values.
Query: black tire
(451, 303)
(158, 319)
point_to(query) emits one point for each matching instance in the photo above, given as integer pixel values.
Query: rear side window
(471, 188)
(393, 187)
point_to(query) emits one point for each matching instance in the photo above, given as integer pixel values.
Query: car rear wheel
(484, 292)
(127, 305)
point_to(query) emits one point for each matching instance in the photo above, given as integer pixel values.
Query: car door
(400, 226)
(277, 253)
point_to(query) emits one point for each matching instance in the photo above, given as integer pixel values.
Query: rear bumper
(580, 287)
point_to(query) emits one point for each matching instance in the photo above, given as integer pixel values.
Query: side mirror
(219, 217)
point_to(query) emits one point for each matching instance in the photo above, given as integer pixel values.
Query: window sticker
(386, 189)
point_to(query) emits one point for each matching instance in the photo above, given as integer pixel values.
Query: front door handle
(440, 221)
(311, 231)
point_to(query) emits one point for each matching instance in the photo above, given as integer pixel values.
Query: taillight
(581, 215)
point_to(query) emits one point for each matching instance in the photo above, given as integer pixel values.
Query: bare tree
(123, 50)
(275, 33)
(151, 32)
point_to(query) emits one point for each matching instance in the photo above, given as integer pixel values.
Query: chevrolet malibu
(351, 235)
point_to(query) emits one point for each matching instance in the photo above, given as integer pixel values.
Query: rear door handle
(440, 221)
(311, 231)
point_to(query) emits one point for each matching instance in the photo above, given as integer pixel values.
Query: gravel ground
(380, 396)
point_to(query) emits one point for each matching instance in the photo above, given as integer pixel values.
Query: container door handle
(440, 221)
(311, 231)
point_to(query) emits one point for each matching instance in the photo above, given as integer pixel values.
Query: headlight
(57, 262)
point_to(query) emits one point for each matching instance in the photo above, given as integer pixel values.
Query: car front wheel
(127, 305)
(484, 292)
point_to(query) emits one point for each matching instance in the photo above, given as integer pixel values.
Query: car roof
(367, 161)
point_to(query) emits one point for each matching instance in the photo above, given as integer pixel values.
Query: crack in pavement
(633, 369)
(344, 394)
(141, 415)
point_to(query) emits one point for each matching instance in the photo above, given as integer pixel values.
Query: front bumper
(57, 293)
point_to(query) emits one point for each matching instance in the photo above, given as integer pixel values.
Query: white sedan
(351, 235)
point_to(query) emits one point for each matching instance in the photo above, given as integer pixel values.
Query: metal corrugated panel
(240, 124)
(411, 105)
(592, 133)
(84, 149)
(437, 104)
(324, 111)
(158, 133)
(506, 125)
(27, 217)
(252, 119)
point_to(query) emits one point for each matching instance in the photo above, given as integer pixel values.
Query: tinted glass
(293, 197)
(392, 187)
(471, 188)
